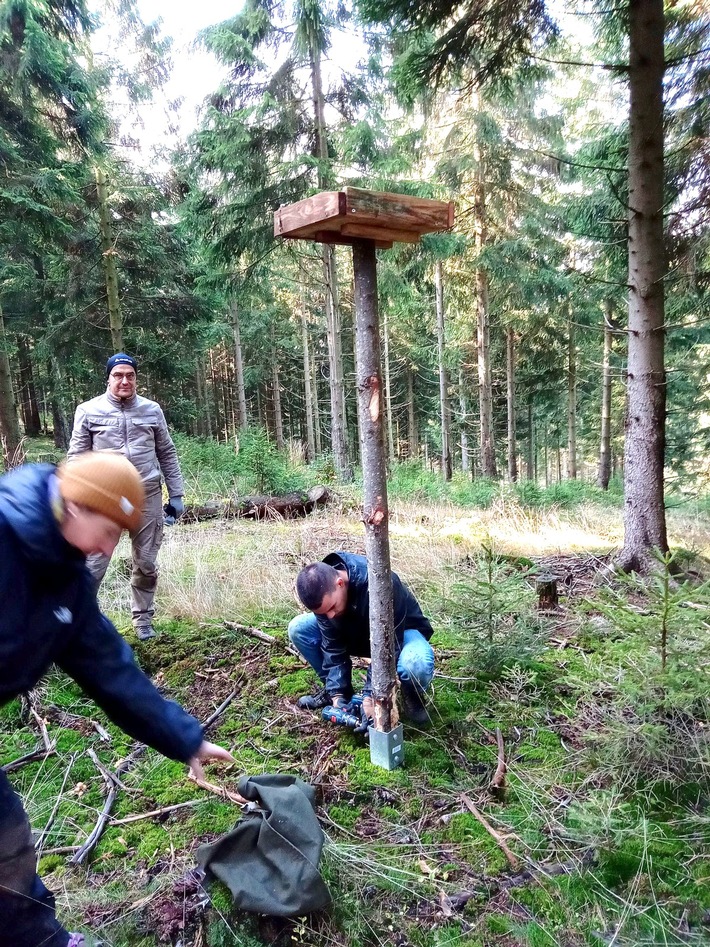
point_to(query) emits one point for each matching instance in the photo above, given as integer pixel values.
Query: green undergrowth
(604, 811)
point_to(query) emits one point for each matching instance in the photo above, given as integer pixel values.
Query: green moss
(296, 684)
(345, 816)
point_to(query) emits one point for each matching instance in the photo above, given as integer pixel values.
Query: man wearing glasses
(121, 420)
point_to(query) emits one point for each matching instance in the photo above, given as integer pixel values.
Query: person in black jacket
(50, 520)
(336, 592)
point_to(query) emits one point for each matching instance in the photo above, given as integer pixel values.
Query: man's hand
(207, 751)
(178, 504)
(366, 718)
(173, 510)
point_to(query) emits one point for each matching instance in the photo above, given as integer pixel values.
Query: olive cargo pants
(145, 545)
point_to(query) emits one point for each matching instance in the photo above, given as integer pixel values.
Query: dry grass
(237, 568)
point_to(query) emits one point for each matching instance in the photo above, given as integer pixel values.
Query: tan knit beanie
(105, 482)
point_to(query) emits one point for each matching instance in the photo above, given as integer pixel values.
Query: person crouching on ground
(50, 520)
(336, 592)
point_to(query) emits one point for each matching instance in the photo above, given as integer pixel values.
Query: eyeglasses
(129, 376)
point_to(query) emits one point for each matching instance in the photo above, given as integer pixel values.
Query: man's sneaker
(314, 701)
(145, 632)
(413, 706)
(76, 940)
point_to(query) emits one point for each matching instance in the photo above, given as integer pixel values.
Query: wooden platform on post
(366, 221)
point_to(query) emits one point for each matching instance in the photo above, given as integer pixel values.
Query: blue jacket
(350, 633)
(49, 615)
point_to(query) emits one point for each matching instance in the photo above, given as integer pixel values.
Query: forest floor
(601, 836)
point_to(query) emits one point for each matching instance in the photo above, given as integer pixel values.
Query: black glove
(364, 725)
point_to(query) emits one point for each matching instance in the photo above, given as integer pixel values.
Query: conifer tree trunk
(307, 382)
(446, 465)
(531, 442)
(239, 367)
(604, 474)
(339, 432)
(276, 393)
(644, 513)
(108, 259)
(485, 384)
(12, 453)
(512, 445)
(316, 410)
(388, 394)
(571, 400)
(463, 409)
(216, 388)
(374, 469)
(412, 431)
(29, 406)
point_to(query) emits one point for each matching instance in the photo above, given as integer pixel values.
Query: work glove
(367, 719)
(173, 510)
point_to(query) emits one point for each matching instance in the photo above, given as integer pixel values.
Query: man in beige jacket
(121, 420)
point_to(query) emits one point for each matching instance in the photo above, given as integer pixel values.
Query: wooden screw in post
(366, 221)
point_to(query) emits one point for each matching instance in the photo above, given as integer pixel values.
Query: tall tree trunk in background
(28, 395)
(530, 465)
(214, 377)
(412, 431)
(239, 366)
(571, 399)
(61, 407)
(199, 402)
(485, 384)
(108, 259)
(12, 453)
(388, 394)
(463, 408)
(276, 393)
(307, 382)
(446, 465)
(316, 408)
(644, 513)
(374, 470)
(510, 372)
(339, 431)
(604, 474)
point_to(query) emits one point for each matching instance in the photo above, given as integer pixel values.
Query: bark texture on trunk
(463, 409)
(276, 394)
(571, 400)
(108, 259)
(412, 431)
(531, 442)
(485, 384)
(388, 394)
(644, 513)
(604, 473)
(307, 382)
(12, 453)
(446, 464)
(374, 468)
(239, 367)
(29, 405)
(339, 430)
(510, 372)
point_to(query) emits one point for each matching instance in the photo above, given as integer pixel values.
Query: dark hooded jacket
(49, 615)
(350, 633)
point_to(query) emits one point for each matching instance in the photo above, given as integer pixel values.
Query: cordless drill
(348, 716)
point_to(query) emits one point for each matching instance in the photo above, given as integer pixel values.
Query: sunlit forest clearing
(446, 265)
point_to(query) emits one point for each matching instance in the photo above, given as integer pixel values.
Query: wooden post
(374, 465)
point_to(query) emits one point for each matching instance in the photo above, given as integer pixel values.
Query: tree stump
(546, 588)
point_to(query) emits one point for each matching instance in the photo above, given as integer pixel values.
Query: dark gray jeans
(27, 915)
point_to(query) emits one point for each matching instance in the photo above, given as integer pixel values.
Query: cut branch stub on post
(366, 221)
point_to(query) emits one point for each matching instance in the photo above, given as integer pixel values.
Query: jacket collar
(122, 402)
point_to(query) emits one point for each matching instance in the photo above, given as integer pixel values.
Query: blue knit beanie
(120, 358)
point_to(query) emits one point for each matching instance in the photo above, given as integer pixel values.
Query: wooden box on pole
(366, 221)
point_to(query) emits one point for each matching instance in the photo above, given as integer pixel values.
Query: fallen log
(260, 506)
(289, 506)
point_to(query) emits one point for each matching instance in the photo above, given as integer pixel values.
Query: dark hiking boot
(145, 632)
(79, 940)
(413, 706)
(314, 701)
